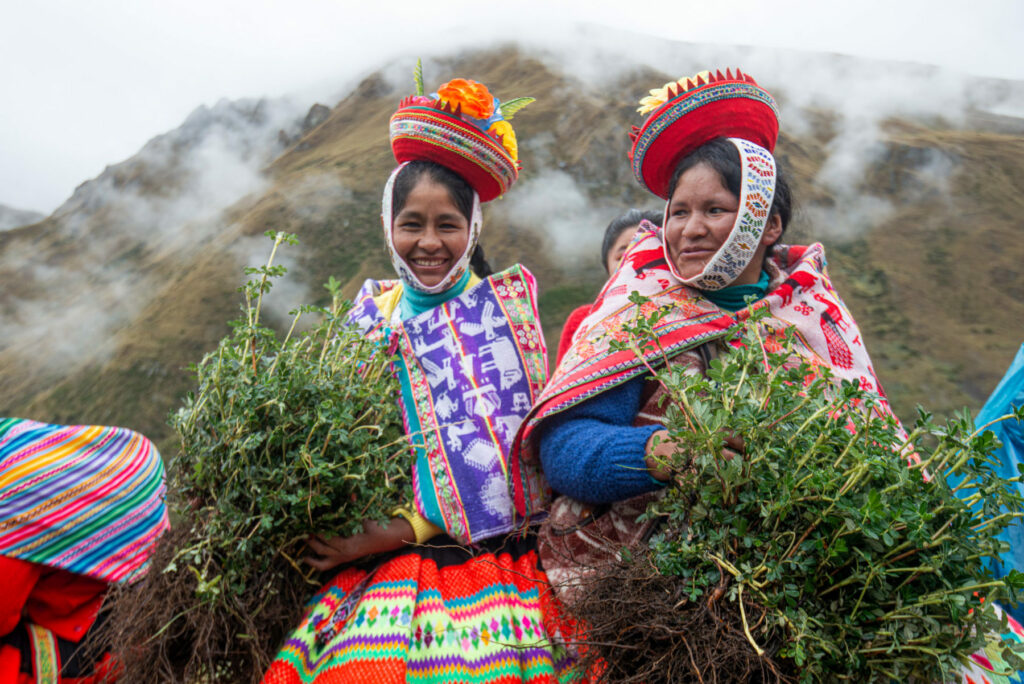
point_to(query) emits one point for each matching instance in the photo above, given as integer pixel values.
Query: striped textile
(801, 297)
(88, 499)
(431, 615)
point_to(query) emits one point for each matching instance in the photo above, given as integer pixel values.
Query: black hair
(722, 156)
(478, 262)
(459, 190)
(620, 224)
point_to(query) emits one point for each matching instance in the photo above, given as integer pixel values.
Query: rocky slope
(13, 218)
(105, 303)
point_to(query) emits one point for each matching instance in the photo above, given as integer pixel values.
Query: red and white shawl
(801, 295)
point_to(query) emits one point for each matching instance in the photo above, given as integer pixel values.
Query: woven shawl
(802, 296)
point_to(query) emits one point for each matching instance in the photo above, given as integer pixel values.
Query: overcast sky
(86, 84)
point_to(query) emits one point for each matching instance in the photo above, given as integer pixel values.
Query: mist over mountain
(12, 218)
(908, 174)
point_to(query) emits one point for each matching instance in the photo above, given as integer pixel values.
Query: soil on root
(158, 630)
(640, 626)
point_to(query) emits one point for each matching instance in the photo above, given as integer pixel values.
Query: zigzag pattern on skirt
(488, 619)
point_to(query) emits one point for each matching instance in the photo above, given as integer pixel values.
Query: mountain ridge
(942, 309)
(11, 217)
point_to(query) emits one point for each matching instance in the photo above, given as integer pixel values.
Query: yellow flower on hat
(660, 96)
(503, 129)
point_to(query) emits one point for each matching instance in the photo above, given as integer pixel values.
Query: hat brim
(687, 121)
(429, 134)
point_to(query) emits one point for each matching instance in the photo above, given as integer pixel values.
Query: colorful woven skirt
(432, 614)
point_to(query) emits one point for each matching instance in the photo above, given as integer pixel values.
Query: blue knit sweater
(593, 453)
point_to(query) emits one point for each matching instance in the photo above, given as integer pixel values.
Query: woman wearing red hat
(447, 591)
(706, 149)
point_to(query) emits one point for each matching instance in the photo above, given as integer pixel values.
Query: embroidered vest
(476, 364)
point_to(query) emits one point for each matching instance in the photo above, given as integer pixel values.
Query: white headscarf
(403, 270)
(757, 190)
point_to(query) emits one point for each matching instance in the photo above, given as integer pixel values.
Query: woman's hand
(660, 450)
(336, 551)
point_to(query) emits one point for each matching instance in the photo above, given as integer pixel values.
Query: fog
(86, 84)
(69, 316)
(15, 218)
(563, 216)
(167, 201)
(858, 95)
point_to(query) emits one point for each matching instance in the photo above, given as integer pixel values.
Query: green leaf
(417, 76)
(849, 549)
(508, 109)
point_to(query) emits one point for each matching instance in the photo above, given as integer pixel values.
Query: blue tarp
(1008, 395)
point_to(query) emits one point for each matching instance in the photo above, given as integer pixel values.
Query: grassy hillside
(937, 283)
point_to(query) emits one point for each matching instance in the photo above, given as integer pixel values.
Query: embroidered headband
(462, 127)
(402, 268)
(757, 190)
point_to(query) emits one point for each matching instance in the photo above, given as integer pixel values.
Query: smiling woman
(703, 207)
(599, 427)
(449, 590)
(431, 220)
(429, 232)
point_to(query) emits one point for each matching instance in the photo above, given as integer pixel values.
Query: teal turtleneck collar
(735, 297)
(414, 302)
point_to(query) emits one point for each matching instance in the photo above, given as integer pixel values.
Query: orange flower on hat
(474, 98)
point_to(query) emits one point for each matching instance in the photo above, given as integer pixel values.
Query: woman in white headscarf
(449, 590)
(597, 429)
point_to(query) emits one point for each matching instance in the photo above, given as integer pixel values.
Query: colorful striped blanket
(86, 498)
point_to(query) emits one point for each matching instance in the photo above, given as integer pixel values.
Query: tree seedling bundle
(281, 438)
(831, 549)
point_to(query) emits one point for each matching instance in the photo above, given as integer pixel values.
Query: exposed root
(642, 627)
(159, 632)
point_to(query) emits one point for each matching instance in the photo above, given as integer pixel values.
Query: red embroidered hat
(690, 112)
(464, 128)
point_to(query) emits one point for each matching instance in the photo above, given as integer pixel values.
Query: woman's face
(619, 248)
(430, 233)
(701, 214)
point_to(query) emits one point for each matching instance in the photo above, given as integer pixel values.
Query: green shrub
(817, 550)
(280, 439)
